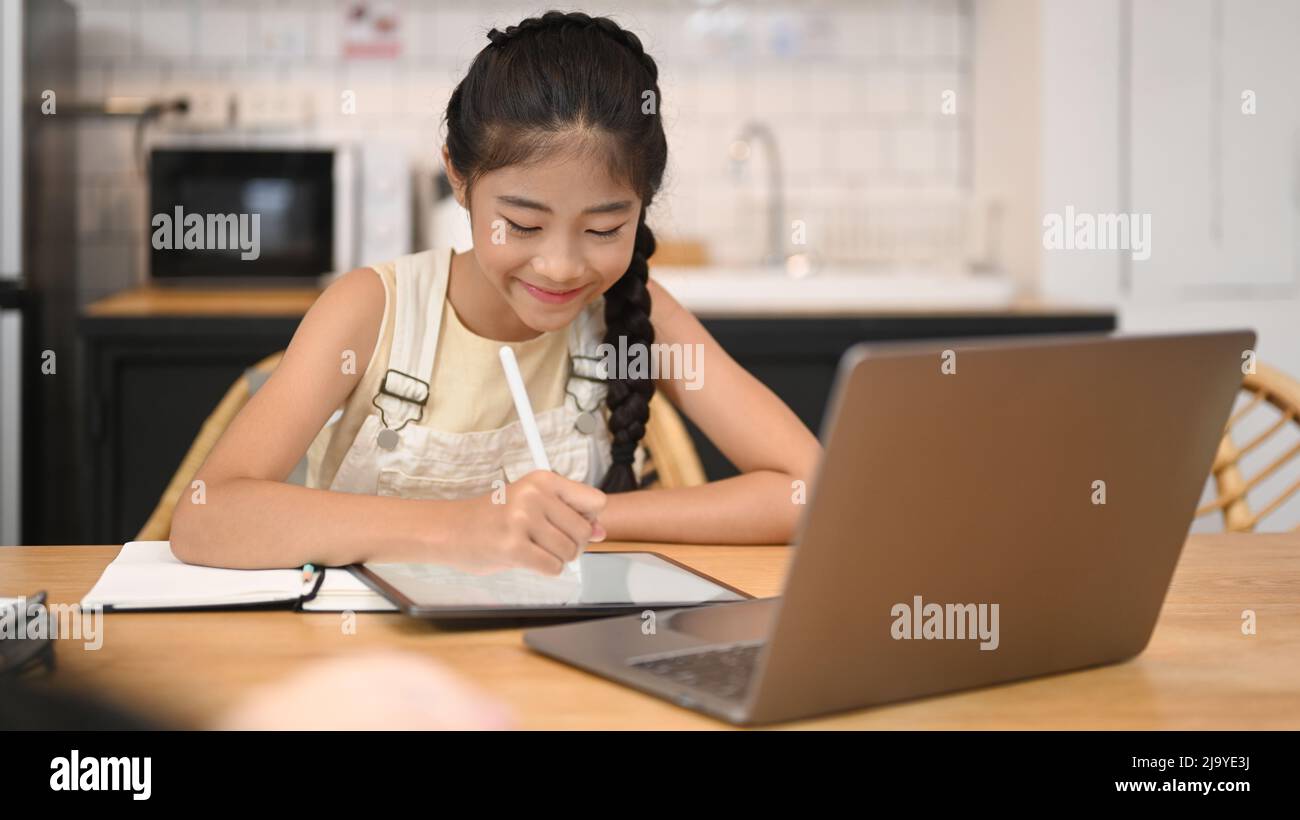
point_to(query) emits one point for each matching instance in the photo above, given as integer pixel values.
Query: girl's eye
(520, 229)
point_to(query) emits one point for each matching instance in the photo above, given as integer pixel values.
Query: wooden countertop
(163, 302)
(1199, 671)
(150, 301)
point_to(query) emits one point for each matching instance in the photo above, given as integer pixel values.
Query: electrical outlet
(272, 107)
(209, 110)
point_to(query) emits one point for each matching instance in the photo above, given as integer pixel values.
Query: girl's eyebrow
(603, 208)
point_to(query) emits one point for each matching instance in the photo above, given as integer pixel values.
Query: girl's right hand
(545, 521)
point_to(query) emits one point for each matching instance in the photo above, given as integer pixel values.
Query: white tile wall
(166, 31)
(107, 32)
(851, 88)
(224, 32)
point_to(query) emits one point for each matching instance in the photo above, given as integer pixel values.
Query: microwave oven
(274, 214)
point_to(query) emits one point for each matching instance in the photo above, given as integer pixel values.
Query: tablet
(610, 583)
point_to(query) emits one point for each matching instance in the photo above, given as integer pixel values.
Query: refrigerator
(38, 306)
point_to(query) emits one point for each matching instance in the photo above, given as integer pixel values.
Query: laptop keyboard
(724, 671)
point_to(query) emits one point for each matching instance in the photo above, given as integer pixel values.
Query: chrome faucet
(741, 149)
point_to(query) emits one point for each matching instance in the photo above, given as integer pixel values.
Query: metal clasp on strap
(590, 368)
(403, 387)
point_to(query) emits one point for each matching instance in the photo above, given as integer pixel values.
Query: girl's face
(551, 237)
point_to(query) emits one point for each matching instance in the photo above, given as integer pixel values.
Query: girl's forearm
(760, 507)
(252, 523)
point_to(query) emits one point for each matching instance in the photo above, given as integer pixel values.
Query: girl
(556, 149)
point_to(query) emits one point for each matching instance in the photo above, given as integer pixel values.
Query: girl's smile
(552, 297)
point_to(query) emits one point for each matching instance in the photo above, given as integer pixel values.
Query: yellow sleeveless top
(467, 389)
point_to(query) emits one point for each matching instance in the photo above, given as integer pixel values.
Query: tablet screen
(607, 579)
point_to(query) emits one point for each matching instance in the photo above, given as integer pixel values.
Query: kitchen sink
(843, 290)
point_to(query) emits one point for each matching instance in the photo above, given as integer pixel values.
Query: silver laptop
(986, 510)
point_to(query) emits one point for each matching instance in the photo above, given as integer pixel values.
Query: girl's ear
(457, 182)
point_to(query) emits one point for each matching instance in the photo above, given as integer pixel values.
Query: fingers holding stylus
(554, 540)
(572, 510)
(585, 500)
(588, 501)
(576, 527)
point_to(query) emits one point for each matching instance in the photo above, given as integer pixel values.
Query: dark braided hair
(522, 97)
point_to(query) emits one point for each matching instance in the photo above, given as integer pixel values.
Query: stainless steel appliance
(38, 48)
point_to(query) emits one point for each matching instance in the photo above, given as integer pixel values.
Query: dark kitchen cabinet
(153, 369)
(796, 357)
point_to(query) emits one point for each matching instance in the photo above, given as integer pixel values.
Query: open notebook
(145, 575)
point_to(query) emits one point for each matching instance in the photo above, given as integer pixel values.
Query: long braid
(627, 314)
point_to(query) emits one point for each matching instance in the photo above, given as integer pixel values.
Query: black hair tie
(623, 452)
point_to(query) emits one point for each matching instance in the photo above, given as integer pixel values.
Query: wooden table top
(1199, 671)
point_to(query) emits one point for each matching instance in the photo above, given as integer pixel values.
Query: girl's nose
(559, 269)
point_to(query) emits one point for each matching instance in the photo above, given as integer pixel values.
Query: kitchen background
(852, 91)
(920, 142)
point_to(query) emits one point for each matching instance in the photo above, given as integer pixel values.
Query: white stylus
(524, 408)
(529, 422)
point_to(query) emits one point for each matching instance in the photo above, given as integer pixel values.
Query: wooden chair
(671, 458)
(159, 525)
(1265, 385)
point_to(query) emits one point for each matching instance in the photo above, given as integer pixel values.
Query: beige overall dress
(392, 454)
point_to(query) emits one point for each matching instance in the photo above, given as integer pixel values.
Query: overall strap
(586, 333)
(586, 384)
(421, 292)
